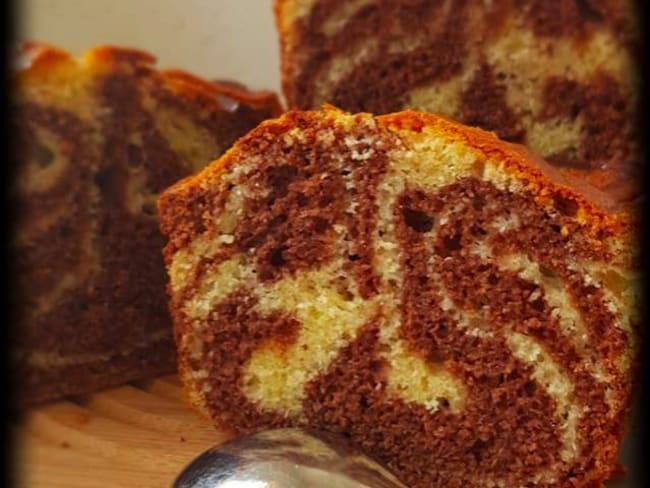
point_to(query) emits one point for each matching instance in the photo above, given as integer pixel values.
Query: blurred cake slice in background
(560, 76)
(96, 139)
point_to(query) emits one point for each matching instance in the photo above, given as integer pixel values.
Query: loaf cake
(560, 76)
(447, 301)
(95, 140)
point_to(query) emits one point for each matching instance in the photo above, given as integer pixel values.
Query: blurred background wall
(233, 39)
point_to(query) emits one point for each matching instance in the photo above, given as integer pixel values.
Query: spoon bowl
(286, 458)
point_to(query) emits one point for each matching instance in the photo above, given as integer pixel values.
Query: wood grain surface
(134, 436)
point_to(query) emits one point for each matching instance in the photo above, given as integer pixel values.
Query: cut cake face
(96, 139)
(445, 299)
(560, 76)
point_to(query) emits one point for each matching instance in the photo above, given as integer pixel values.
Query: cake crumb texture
(444, 298)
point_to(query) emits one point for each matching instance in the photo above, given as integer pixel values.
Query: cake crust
(444, 298)
(34, 60)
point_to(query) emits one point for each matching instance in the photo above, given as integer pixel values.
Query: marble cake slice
(96, 139)
(452, 304)
(560, 76)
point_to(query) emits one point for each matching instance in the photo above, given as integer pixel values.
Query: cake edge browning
(544, 179)
(524, 163)
(34, 60)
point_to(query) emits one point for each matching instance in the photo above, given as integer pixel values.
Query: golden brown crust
(32, 59)
(608, 212)
(190, 84)
(603, 211)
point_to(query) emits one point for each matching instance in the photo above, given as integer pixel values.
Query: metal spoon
(285, 458)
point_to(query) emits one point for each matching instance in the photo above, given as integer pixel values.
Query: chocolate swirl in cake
(97, 140)
(416, 285)
(496, 65)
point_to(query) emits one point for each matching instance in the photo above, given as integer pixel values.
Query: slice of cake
(560, 76)
(96, 140)
(436, 294)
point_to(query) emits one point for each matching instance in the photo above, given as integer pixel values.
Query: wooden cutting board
(134, 436)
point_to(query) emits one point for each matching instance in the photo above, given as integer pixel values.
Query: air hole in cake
(450, 244)
(301, 200)
(566, 206)
(43, 156)
(354, 257)
(101, 179)
(478, 230)
(478, 202)
(276, 258)
(134, 155)
(376, 366)
(417, 220)
(442, 402)
(538, 305)
(280, 177)
(477, 450)
(320, 225)
(442, 330)
(343, 290)
(546, 271)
